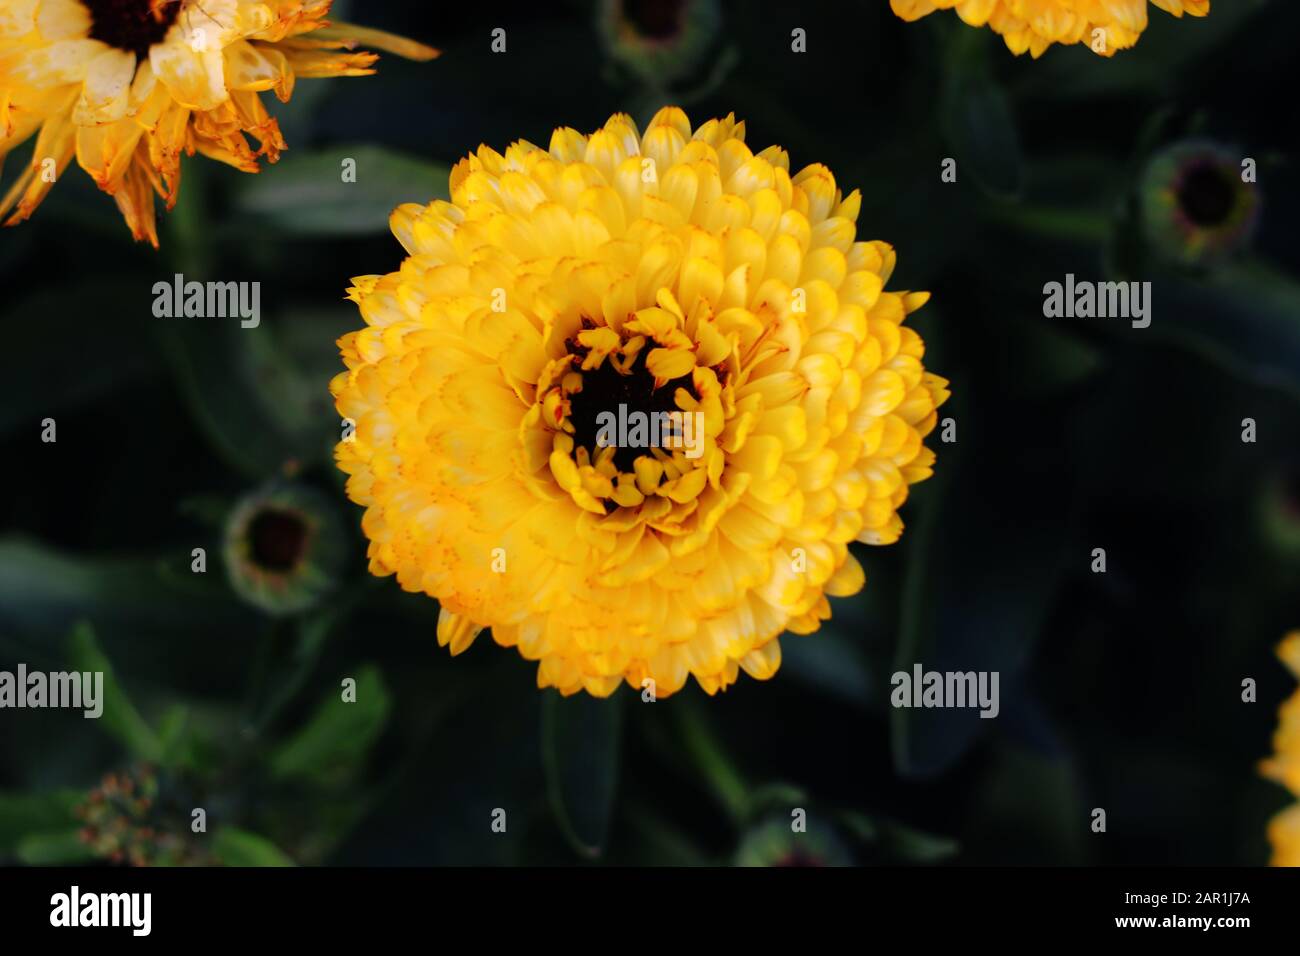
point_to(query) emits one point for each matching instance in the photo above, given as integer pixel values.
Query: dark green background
(1119, 691)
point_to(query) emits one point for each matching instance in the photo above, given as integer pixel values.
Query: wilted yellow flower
(1284, 765)
(675, 272)
(1104, 26)
(128, 85)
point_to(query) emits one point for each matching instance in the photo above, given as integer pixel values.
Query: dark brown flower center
(131, 25)
(277, 539)
(1207, 195)
(605, 389)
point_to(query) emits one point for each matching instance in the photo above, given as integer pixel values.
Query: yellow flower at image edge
(127, 86)
(675, 272)
(1034, 25)
(1284, 766)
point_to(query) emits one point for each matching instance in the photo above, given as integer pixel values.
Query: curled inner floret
(645, 370)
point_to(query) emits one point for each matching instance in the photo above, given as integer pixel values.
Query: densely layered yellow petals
(127, 86)
(675, 271)
(1104, 26)
(1284, 765)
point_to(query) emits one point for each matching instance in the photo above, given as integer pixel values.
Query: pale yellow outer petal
(105, 95)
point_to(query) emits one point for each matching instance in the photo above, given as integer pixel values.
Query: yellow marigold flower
(1034, 25)
(675, 272)
(1284, 765)
(128, 85)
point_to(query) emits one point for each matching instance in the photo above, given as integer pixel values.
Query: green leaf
(775, 796)
(978, 122)
(307, 194)
(45, 382)
(25, 814)
(983, 562)
(860, 826)
(339, 736)
(581, 744)
(120, 718)
(1028, 809)
(208, 510)
(236, 381)
(699, 744)
(261, 394)
(41, 590)
(174, 737)
(44, 593)
(235, 847)
(471, 749)
(659, 843)
(896, 842)
(830, 662)
(1037, 358)
(53, 849)
(313, 632)
(1245, 318)
(906, 844)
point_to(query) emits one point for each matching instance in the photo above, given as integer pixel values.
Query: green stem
(313, 633)
(190, 223)
(1076, 225)
(705, 751)
(670, 845)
